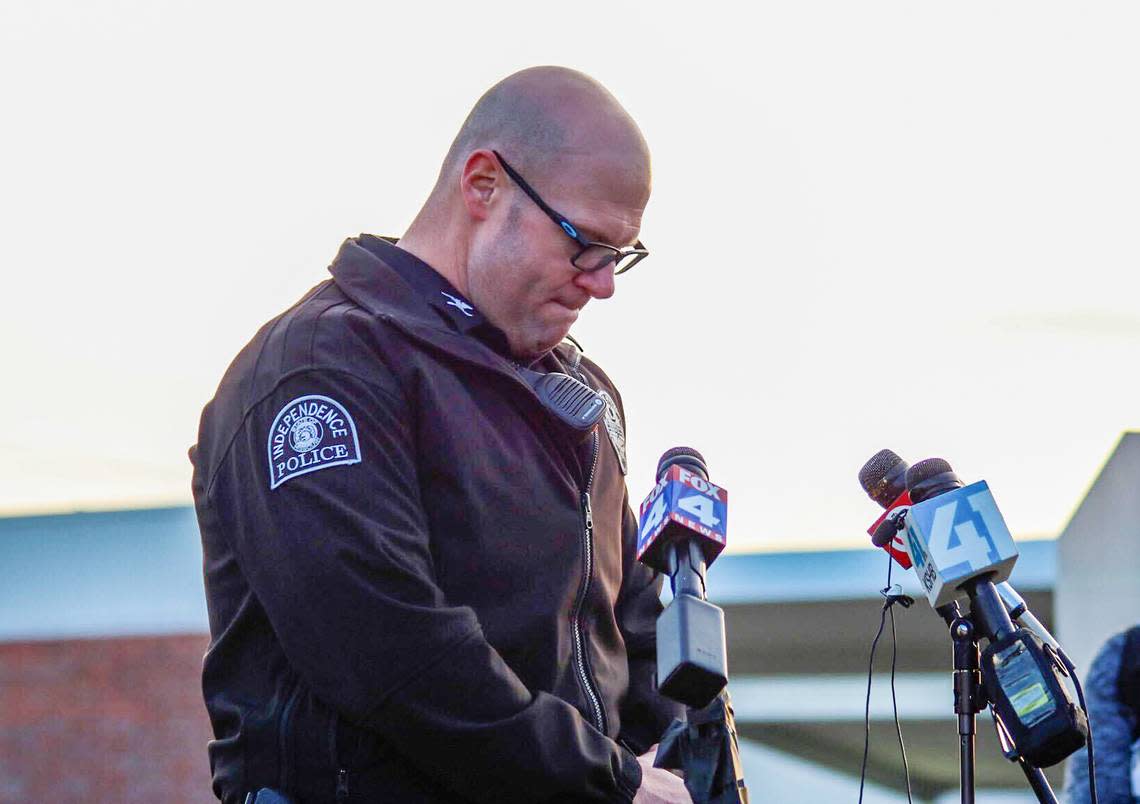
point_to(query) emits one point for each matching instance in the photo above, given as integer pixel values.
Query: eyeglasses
(594, 256)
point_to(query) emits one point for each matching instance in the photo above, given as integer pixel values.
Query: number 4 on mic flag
(682, 500)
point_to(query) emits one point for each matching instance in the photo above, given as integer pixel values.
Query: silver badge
(614, 429)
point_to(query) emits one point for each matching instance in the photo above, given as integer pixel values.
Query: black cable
(867, 704)
(1081, 697)
(906, 601)
(895, 705)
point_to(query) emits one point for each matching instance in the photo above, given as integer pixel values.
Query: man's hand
(659, 786)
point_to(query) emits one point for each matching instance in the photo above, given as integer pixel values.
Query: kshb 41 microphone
(954, 533)
(960, 528)
(883, 477)
(683, 525)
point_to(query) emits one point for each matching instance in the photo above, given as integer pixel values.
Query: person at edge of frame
(421, 584)
(1112, 692)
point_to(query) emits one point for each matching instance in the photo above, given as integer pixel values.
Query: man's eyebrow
(592, 234)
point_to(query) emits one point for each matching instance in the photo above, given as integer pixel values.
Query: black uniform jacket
(421, 586)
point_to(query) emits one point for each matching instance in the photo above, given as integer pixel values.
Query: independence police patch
(310, 433)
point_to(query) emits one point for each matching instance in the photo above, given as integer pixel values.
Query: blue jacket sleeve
(1112, 723)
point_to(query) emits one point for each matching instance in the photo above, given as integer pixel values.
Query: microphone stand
(967, 692)
(705, 745)
(706, 748)
(987, 615)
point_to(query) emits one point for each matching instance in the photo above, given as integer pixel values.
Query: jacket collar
(380, 288)
(363, 271)
(381, 277)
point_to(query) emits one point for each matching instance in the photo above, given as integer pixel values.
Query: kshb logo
(956, 536)
(310, 433)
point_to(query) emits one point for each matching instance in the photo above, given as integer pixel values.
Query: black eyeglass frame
(637, 250)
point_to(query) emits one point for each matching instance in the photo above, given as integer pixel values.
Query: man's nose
(599, 284)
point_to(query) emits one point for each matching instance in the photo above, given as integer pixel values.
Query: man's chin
(536, 346)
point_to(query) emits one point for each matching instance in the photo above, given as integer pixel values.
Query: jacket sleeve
(645, 713)
(1112, 724)
(339, 557)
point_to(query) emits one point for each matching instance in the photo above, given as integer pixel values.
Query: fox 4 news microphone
(682, 530)
(960, 546)
(883, 477)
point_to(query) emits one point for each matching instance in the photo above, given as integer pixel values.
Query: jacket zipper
(342, 785)
(576, 619)
(596, 711)
(334, 753)
(286, 736)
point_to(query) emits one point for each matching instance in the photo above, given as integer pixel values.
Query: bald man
(419, 551)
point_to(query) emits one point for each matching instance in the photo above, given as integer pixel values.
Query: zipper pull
(342, 785)
(589, 511)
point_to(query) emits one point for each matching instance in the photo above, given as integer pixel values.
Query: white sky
(875, 224)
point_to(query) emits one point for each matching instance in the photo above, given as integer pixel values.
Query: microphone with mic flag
(961, 549)
(955, 534)
(883, 477)
(682, 529)
(969, 548)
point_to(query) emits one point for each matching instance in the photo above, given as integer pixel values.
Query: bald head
(509, 254)
(549, 122)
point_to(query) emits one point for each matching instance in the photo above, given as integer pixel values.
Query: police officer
(421, 580)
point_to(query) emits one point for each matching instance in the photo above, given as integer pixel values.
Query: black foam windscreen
(883, 477)
(930, 478)
(685, 456)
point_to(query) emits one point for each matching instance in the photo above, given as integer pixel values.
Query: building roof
(114, 573)
(857, 574)
(139, 572)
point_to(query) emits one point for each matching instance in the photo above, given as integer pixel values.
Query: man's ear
(480, 182)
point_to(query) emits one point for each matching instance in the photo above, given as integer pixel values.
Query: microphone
(1019, 611)
(683, 507)
(883, 477)
(967, 548)
(682, 530)
(955, 533)
(571, 401)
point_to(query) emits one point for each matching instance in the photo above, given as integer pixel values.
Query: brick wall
(103, 720)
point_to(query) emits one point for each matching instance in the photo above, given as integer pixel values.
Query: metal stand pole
(967, 699)
(1037, 782)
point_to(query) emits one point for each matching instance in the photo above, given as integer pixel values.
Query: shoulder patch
(614, 429)
(310, 433)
